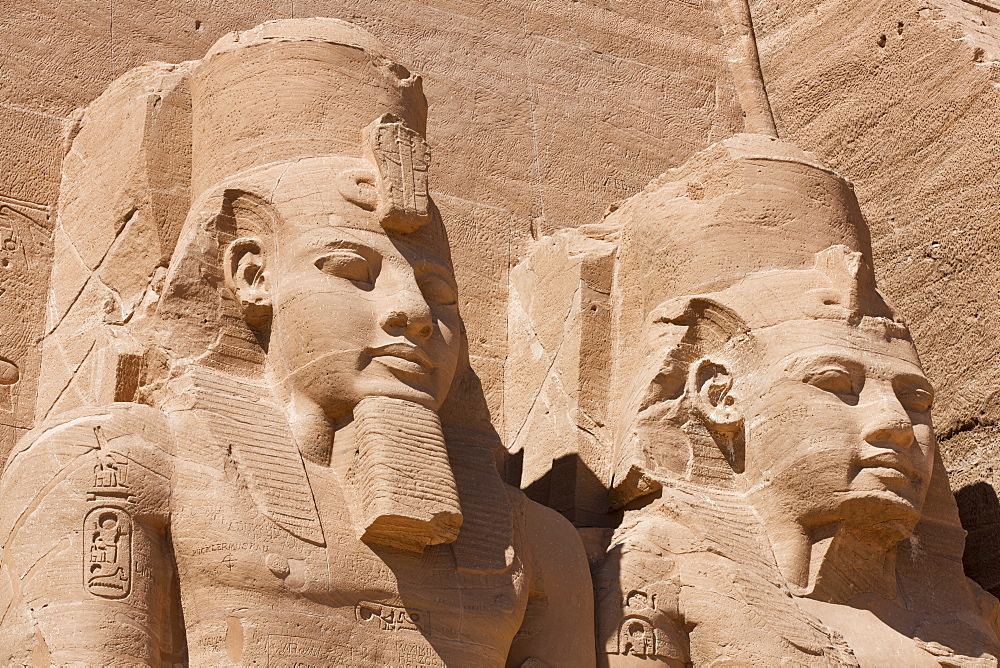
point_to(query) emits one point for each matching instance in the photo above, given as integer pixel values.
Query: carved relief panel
(25, 262)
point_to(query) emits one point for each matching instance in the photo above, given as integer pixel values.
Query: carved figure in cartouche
(784, 501)
(298, 468)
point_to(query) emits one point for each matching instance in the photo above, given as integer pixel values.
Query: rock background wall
(544, 111)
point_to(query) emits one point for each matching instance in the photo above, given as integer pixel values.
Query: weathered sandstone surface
(619, 181)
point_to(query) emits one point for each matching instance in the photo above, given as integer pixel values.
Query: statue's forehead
(821, 338)
(306, 196)
(333, 231)
(314, 180)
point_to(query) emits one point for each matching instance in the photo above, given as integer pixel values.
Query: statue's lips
(403, 357)
(891, 463)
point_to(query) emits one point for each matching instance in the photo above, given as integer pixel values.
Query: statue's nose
(889, 425)
(408, 315)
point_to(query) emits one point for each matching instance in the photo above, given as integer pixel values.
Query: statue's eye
(834, 380)
(345, 263)
(915, 399)
(438, 290)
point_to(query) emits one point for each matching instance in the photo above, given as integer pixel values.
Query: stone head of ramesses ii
(315, 261)
(775, 370)
(810, 404)
(347, 305)
(308, 140)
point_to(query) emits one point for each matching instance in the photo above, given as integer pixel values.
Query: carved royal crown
(293, 89)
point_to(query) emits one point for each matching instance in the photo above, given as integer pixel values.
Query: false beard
(401, 490)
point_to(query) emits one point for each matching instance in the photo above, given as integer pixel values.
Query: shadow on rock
(979, 510)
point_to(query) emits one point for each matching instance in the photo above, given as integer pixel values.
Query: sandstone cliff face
(545, 111)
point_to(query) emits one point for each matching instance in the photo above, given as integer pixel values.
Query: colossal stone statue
(784, 501)
(291, 464)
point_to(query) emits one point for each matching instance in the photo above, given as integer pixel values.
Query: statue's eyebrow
(322, 240)
(807, 361)
(335, 244)
(430, 267)
(910, 379)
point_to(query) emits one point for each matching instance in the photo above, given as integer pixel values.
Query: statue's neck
(311, 428)
(310, 424)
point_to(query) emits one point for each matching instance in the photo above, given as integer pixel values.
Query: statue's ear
(359, 187)
(247, 276)
(709, 388)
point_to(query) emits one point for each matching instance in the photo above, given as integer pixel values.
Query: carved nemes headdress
(749, 233)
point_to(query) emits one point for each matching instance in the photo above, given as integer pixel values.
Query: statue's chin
(401, 490)
(410, 533)
(384, 385)
(887, 516)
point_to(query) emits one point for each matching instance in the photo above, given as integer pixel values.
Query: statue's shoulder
(638, 590)
(84, 508)
(119, 454)
(80, 432)
(660, 531)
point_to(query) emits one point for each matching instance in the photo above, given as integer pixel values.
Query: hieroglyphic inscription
(635, 632)
(636, 637)
(11, 220)
(620, 186)
(110, 471)
(107, 555)
(19, 223)
(390, 617)
(107, 529)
